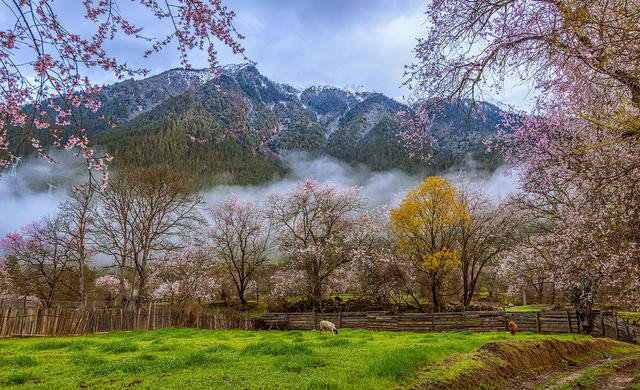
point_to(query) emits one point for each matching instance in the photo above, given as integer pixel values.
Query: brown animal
(513, 328)
(327, 325)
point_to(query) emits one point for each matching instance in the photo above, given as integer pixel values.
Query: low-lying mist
(27, 196)
(37, 188)
(380, 188)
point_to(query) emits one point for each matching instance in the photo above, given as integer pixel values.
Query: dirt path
(622, 378)
(622, 371)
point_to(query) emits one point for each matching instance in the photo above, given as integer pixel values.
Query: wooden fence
(607, 325)
(21, 322)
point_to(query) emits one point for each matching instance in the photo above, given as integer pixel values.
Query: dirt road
(616, 372)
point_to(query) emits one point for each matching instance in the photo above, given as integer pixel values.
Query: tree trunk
(121, 296)
(435, 298)
(416, 300)
(466, 294)
(140, 296)
(316, 294)
(82, 282)
(583, 304)
(243, 300)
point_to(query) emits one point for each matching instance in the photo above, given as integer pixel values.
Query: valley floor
(202, 359)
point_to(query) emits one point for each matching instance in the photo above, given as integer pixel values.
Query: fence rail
(607, 325)
(24, 322)
(21, 322)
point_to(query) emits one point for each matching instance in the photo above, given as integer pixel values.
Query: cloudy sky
(301, 42)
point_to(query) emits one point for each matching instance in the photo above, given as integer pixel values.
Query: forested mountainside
(232, 129)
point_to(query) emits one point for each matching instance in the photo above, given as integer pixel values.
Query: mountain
(232, 128)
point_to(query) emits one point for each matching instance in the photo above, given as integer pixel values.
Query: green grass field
(535, 307)
(201, 359)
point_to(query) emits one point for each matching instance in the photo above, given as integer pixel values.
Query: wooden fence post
(538, 321)
(433, 322)
(604, 332)
(615, 317)
(149, 317)
(569, 321)
(339, 319)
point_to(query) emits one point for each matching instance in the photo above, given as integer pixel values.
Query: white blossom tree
(319, 229)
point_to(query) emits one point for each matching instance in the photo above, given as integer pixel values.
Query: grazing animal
(513, 328)
(327, 325)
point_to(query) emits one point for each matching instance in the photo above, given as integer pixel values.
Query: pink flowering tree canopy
(184, 277)
(107, 287)
(319, 228)
(45, 63)
(577, 155)
(6, 282)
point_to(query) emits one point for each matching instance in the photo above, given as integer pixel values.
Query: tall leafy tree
(427, 223)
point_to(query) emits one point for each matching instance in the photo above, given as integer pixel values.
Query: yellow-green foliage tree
(426, 224)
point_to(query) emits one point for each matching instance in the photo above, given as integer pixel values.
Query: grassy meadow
(204, 359)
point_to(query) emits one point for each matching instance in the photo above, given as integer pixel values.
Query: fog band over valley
(27, 196)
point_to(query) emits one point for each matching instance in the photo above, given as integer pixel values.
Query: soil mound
(495, 363)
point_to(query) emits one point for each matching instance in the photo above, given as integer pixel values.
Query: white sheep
(327, 325)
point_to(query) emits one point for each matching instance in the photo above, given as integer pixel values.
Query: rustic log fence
(25, 322)
(607, 325)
